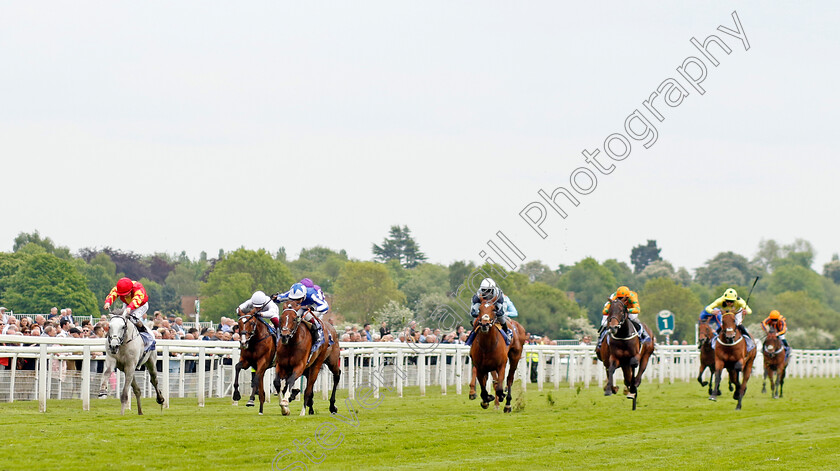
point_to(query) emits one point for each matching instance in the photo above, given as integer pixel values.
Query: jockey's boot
(787, 347)
(743, 331)
(139, 325)
(639, 329)
(470, 338)
(276, 322)
(507, 332)
(318, 335)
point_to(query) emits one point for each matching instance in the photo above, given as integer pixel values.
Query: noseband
(124, 332)
(248, 319)
(296, 321)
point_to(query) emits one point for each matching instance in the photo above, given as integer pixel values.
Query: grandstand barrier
(68, 368)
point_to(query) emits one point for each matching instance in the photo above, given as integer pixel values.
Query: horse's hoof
(507, 409)
(261, 413)
(615, 390)
(249, 404)
(712, 398)
(103, 396)
(236, 396)
(485, 405)
(473, 396)
(631, 396)
(285, 410)
(608, 393)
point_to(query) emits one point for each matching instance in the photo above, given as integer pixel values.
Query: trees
(43, 281)
(320, 264)
(642, 255)
(831, 270)
(658, 269)
(427, 278)
(400, 246)
(665, 294)
(535, 270)
(23, 239)
(235, 278)
(545, 310)
(622, 273)
(591, 284)
(364, 287)
(797, 278)
(726, 268)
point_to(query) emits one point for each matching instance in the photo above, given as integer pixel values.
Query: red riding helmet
(124, 286)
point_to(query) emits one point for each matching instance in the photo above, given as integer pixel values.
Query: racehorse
(125, 352)
(623, 349)
(257, 349)
(775, 363)
(731, 353)
(293, 359)
(705, 336)
(490, 354)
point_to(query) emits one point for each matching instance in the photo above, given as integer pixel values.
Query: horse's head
(705, 333)
(729, 329)
(247, 329)
(117, 327)
(616, 315)
(772, 342)
(487, 314)
(289, 320)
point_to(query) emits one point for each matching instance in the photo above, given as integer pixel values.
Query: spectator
(35, 331)
(345, 338)
(383, 329)
(367, 333)
(194, 332)
(103, 318)
(208, 333)
(157, 335)
(356, 337)
(64, 328)
(74, 333)
(40, 320)
(400, 338)
(68, 313)
(586, 340)
(179, 325)
(5, 318)
(50, 331)
(189, 336)
(426, 332)
(53, 313)
(98, 331)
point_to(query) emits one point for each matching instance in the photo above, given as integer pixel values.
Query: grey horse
(125, 352)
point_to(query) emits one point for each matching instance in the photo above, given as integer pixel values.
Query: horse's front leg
(472, 384)
(610, 388)
(258, 385)
(287, 390)
(309, 392)
(106, 377)
(152, 369)
(485, 397)
(239, 367)
(136, 388)
(718, 373)
(126, 390)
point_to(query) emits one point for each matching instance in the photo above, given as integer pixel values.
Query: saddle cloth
(148, 341)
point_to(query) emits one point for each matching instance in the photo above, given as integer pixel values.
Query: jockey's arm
(319, 305)
(634, 307)
(782, 327)
(746, 309)
(280, 297)
(715, 304)
(510, 309)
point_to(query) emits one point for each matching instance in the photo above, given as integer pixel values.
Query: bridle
(296, 322)
(248, 320)
(768, 347)
(722, 334)
(122, 337)
(621, 320)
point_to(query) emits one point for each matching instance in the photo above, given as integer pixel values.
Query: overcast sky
(161, 126)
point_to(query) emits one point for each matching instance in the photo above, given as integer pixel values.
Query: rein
(125, 331)
(246, 319)
(621, 323)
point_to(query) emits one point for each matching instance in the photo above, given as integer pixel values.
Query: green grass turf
(674, 427)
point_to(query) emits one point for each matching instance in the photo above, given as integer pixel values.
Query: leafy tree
(536, 271)
(395, 314)
(400, 246)
(545, 310)
(161, 298)
(363, 288)
(683, 276)
(99, 280)
(160, 266)
(320, 264)
(458, 273)
(658, 269)
(768, 252)
(427, 278)
(725, 268)
(237, 276)
(797, 278)
(802, 311)
(591, 284)
(23, 239)
(44, 280)
(665, 294)
(9, 265)
(622, 272)
(642, 255)
(831, 269)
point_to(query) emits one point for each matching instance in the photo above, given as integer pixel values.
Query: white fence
(370, 364)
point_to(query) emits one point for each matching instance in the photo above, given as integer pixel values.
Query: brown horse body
(490, 355)
(257, 349)
(731, 354)
(294, 360)
(623, 349)
(774, 364)
(705, 336)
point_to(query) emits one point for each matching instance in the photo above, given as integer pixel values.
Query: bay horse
(731, 353)
(490, 355)
(705, 336)
(293, 359)
(125, 352)
(257, 349)
(775, 363)
(623, 348)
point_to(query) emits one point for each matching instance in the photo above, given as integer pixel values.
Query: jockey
(713, 317)
(731, 303)
(265, 309)
(631, 301)
(314, 301)
(487, 291)
(134, 296)
(309, 284)
(777, 321)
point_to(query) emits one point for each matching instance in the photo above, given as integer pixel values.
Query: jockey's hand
(106, 306)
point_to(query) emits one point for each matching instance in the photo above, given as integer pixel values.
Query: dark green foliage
(642, 255)
(400, 246)
(43, 281)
